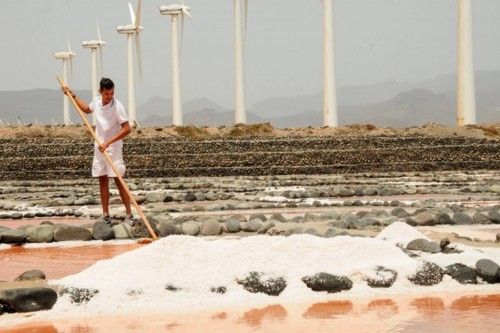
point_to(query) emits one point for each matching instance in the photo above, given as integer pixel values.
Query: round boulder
(13, 236)
(480, 218)
(327, 282)
(72, 233)
(488, 270)
(233, 226)
(32, 275)
(462, 218)
(28, 299)
(102, 231)
(210, 228)
(191, 228)
(167, 228)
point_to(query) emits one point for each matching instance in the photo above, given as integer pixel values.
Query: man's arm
(125, 130)
(81, 103)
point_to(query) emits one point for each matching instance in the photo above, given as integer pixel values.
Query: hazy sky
(376, 40)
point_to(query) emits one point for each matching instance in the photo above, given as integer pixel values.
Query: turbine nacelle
(93, 44)
(175, 10)
(128, 29)
(64, 55)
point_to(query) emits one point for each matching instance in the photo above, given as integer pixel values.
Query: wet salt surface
(443, 313)
(56, 261)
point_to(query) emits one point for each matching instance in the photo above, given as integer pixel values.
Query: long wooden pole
(111, 164)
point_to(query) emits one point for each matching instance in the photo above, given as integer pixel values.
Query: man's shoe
(106, 219)
(131, 221)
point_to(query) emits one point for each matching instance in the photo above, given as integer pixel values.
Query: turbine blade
(98, 30)
(138, 15)
(186, 12)
(132, 14)
(139, 54)
(67, 41)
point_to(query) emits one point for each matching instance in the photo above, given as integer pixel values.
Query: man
(111, 127)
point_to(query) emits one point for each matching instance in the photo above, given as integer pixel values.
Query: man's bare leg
(104, 189)
(124, 196)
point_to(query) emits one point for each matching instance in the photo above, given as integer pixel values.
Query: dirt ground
(487, 130)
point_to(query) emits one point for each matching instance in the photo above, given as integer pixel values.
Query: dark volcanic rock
(41, 234)
(488, 270)
(13, 236)
(255, 283)
(494, 216)
(190, 197)
(233, 226)
(28, 299)
(327, 282)
(71, 233)
(278, 217)
(32, 275)
(480, 218)
(102, 231)
(427, 275)
(167, 228)
(399, 212)
(424, 245)
(461, 218)
(462, 273)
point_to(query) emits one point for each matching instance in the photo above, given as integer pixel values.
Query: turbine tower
(176, 12)
(466, 99)
(67, 61)
(240, 23)
(132, 31)
(95, 46)
(330, 117)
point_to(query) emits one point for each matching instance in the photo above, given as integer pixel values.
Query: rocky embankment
(63, 158)
(275, 205)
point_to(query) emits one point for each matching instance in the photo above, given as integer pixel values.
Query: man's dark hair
(106, 84)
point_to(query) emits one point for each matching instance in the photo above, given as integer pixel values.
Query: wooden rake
(111, 164)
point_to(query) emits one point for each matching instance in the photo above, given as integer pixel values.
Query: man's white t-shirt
(108, 118)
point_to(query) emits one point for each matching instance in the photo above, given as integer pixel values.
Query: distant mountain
(409, 108)
(415, 107)
(205, 117)
(43, 105)
(389, 103)
(159, 106)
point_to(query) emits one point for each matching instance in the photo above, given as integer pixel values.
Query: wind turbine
(176, 12)
(240, 23)
(330, 117)
(466, 90)
(132, 30)
(67, 59)
(95, 45)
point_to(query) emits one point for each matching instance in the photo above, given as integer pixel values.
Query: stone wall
(43, 158)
